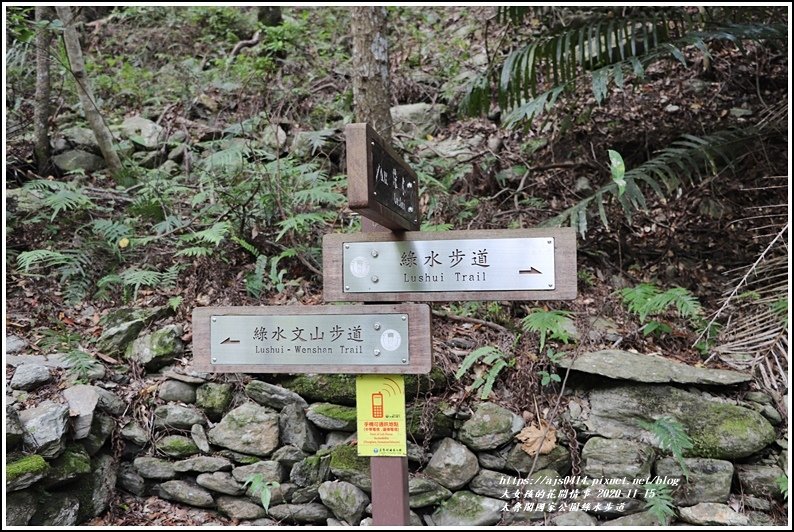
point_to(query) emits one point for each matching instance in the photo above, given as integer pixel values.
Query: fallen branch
(494, 326)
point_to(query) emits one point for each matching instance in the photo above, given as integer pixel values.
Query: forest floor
(176, 69)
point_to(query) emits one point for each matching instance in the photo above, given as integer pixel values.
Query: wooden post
(389, 473)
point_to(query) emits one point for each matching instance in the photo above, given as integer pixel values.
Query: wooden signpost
(388, 340)
(380, 185)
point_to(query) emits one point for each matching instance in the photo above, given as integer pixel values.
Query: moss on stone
(214, 398)
(177, 446)
(346, 458)
(74, 461)
(32, 464)
(342, 413)
(440, 425)
(331, 388)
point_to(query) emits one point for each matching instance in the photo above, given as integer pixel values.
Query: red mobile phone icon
(377, 405)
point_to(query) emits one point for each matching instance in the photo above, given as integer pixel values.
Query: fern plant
(72, 266)
(550, 324)
(647, 300)
(494, 359)
(80, 365)
(782, 485)
(672, 437)
(659, 502)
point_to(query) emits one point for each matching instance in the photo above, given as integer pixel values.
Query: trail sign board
(382, 339)
(512, 264)
(380, 185)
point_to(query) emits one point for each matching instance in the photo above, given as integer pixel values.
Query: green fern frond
(195, 252)
(685, 161)
(302, 223)
(472, 358)
(320, 194)
(41, 258)
(137, 278)
(659, 502)
(672, 437)
(250, 248)
(212, 235)
(111, 231)
(551, 324)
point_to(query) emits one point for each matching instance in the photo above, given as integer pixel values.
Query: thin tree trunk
(95, 121)
(41, 100)
(371, 90)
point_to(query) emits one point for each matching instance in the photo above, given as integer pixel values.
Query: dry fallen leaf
(533, 441)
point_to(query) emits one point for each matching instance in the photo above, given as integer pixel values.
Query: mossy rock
(214, 399)
(440, 426)
(341, 389)
(347, 465)
(26, 471)
(177, 446)
(73, 462)
(333, 417)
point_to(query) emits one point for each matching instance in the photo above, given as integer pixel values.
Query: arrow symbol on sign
(230, 341)
(531, 270)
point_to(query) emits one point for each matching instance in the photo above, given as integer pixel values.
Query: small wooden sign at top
(380, 185)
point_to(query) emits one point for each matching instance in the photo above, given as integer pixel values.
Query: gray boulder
(199, 436)
(249, 428)
(310, 471)
(718, 430)
(712, 514)
(176, 417)
(143, 132)
(345, 500)
(348, 466)
(45, 428)
(20, 507)
(101, 428)
(617, 364)
(760, 480)
(56, 509)
(613, 459)
(203, 464)
(328, 416)
(172, 390)
(177, 446)
(558, 459)
(423, 492)
(14, 431)
(154, 468)
(15, 345)
(709, 480)
(72, 160)
(288, 456)
(109, 402)
(296, 429)
(25, 472)
(417, 120)
(270, 470)
(221, 482)
(133, 432)
(214, 398)
(82, 401)
(465, 508)
(272, 395)
(453, 465)
(81, 136)
(236, 508)
(492, 484)
(490, 427)
(29, 377)
(129, 480)
(115, 339)
(96, 489)
(187, 493)
(635, 520)
(157, 349)
(301, 514)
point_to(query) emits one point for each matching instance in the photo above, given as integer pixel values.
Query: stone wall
(200, 440)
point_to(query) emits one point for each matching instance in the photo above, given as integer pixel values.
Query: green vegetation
(490, 357)
(260, 487)
(659, 502)
(672, 437)
(32, 464)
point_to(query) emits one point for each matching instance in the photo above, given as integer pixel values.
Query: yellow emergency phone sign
(380, 409)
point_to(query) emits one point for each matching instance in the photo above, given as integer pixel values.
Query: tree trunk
(95, 121)
(41, 100)
(371, 92)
